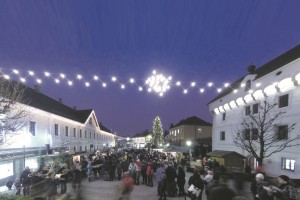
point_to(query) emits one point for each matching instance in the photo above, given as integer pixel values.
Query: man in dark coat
(25, 181)
(222, 191)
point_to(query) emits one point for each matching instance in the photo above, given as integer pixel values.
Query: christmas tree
(157, 133)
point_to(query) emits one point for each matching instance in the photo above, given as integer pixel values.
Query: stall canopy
(177, 149)
(231, 160)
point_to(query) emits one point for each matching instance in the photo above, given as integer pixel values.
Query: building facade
(276, 82)
(52, 124)
(189, 129)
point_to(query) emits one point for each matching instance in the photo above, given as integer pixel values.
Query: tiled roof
(192, 121)
(265, 69)
(41, 101)
(103, 128)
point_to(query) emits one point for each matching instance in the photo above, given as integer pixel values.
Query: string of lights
(156, 83)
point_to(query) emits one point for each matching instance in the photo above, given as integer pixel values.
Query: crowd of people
(140, 167)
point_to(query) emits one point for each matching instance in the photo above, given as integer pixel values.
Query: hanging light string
(155, 83)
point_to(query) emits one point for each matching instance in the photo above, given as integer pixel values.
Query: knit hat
(285, 178)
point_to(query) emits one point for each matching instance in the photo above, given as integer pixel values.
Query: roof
(192, 121)
(265, 69)
(177, 149)
(43, 102)
(221, 154)
(103, 128)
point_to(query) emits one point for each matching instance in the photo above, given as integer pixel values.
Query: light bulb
(6, 77)
(39, 81)
(243, 85)
(57, 81)
(226, 85)
(104, 85)
(131, 80)
(113, 79)
(70, 83)
(201, 90)
(16, 71)
(154, 72)
(178, 83)
(96, 78)
(31, 73)
(87, 84)
(122, 86)
(235, 91)
(219, 90)
(47, 74)
(79, 76)
(210, 84)
(185, 91)
(193, 84)
(258, 84)
(23, 80)
(140, 89)
(62, 76)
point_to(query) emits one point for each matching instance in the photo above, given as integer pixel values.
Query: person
(171, 176)
(149, 173)
(77, 175)
(196, 180)
(119, 170)
(159, 172)
(222, 191)
(284, 191)
(162, 188)
(132, 170)
(17, 185)
(126, 187)
(9, 184)
(207, 180)
(25, 180)
(138, 171)
(214, 183)
(50, 183)
(64, 171)
(89, 170)
(143, 172)
(260, 192)
(181, 181)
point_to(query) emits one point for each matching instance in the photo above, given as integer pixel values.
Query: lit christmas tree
(157, 133)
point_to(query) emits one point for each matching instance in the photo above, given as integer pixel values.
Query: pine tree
(157, 133)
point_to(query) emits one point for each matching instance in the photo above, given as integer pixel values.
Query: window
(248, 85)
(288, 164)
(283, 101)
(56, 129)
(74, 149)
(222, 135)
(254, 134)
(85, 148)
(74, 132)
(67, 131)
(247, 110)
(224, 116)
(94, 135)
(247, 134)
(90, 121)
(282, 132)
(80, 133)
(255, 108)
(90, 134)
(85, 134)
(32, 128)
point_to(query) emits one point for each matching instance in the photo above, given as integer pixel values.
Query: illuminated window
(32, 128)
(283, 101)
(55, 129)
(288, 164)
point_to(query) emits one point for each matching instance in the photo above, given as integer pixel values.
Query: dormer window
(248, 85)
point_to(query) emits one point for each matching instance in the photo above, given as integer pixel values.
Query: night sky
(191, 40)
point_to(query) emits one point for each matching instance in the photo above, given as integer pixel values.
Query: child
(17, 185)
(89, 169)
(162, 187)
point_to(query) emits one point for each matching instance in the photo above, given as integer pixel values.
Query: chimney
(60, 100)
(37, 88)
(74, 107)
(251, 69)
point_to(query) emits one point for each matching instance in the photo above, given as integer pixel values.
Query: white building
(277, 81)
(54, 124)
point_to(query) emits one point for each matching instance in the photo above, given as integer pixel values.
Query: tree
(14, 114)
(260, 134)
(157, 133)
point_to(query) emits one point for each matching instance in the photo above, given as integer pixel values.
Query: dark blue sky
(200, 40)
